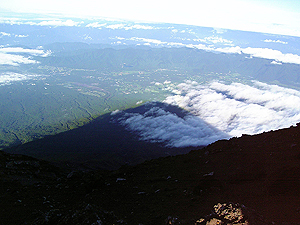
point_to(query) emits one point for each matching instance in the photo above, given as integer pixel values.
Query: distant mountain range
(194, 61)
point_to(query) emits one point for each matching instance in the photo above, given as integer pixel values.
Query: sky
(276, 16)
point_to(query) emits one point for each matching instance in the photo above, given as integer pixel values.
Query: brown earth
(261, 172)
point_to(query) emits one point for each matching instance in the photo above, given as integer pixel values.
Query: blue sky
(276, 16)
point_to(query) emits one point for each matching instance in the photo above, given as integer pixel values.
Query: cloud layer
(239, 108)
(159, 125)
(227, 46)
(36, 52)
(217, 111)
(6, 58)
(14, 60)
(265, 53)
(7, 78)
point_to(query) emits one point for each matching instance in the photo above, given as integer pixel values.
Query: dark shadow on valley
(102, 144)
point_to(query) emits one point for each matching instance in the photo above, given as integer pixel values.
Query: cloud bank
(4, 34)
(36, 52)
(237, 108)
(130, 27)
(7, 78)
(159, 125)
(227, 46)
(96, 25)
(217, 111)
(265, 53)
(209, 44)
(214, 40)
(272, 54)
(275, 41)
(57, 23)
(148, 40)
(14, 60)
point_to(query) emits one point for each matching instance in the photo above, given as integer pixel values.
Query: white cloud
(148, 40)
(275, 41)
(235, 49)
(201, 46)
(47, 22)
(143, 27)
(211, 41)
(21, 35)
(69, 23)
(216, 111)
(238, 108)
(5, 34)
(36, 52)
(120, 38)
(176, 44)
(14, 60)
(96, 25)
(214, 40)
(272, 54)
(7, 78)
(276, 63)
(130, 27)
(116, 26)
(159, 125)
(265, 53)
(115, 112)
(219, 30)
(11, 21)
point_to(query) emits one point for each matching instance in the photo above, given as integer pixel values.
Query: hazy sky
(271, 16)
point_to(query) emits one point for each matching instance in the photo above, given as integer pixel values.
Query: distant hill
(259, 175)
(194, 61)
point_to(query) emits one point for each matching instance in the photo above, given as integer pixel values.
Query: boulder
(232, 214)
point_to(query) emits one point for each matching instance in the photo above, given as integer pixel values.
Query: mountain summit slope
(261, 172)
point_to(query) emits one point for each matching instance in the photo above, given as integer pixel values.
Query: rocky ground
(246, 180)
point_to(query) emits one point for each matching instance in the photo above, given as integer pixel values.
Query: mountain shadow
(101, 144)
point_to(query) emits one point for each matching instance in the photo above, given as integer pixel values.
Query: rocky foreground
(246, 180)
